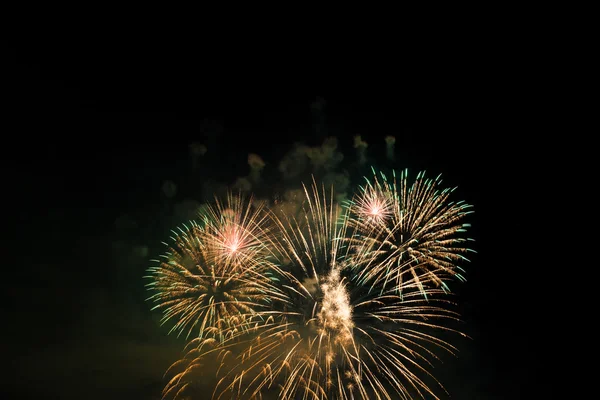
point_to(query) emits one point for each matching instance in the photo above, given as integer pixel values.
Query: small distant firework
(407, 236)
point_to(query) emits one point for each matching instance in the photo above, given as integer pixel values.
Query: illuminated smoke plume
(390, 141)
(323, 161)
(326, 157)
(242, 184)
(295, 162)
(197, 150)
(169, 189)
(256, 166)
(361, 149)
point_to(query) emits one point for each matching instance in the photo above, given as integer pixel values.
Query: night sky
(95, 130)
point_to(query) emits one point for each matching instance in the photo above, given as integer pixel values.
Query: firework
(215, 274)
(407, 236)
(326, 334)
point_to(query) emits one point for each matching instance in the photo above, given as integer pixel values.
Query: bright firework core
(335, 316)
(231, 235)
(233, 244)
(232, 240)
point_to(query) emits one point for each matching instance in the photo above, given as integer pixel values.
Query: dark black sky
(95, 126)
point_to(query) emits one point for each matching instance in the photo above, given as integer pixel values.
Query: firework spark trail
(407, 236)
(216, 273)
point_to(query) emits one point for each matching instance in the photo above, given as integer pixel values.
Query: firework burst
(407, 236)
(215, 274)
(325, 332)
